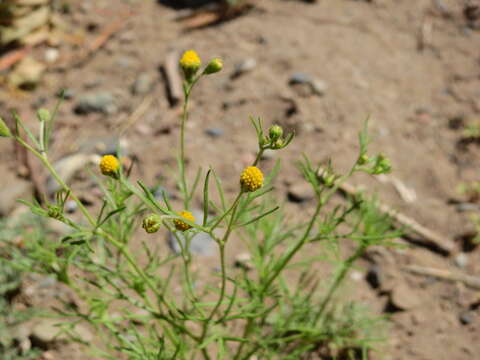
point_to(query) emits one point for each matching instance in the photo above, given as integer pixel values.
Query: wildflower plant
(282, 309)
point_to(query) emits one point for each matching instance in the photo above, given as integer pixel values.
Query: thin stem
(223, 267)
(346, 266)
(183, 180)
(259, 156)
(297, 247)
(55, 175)
(234, 205)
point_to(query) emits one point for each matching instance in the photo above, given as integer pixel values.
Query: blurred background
(318, 68)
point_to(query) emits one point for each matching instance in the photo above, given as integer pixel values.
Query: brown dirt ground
(367, 53)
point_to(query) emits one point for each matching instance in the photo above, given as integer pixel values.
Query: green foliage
(280, 309)
(10, 281)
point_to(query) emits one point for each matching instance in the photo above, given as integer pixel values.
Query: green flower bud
(152, 223)
(329, 180)
(275, 132)
(363, 159)
(43, 115)
(382, 165)
(4, 130)
(278, 144)
(55, 212)
(214, 66)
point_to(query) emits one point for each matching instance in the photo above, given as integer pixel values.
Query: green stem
(59, 180)
(346, 266)
(234, 205)
(223, 268)
(101, 232)
(296, 248)
(259, 156)
(183, 180)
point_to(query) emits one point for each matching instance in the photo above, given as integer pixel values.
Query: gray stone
(67, 167)
(143, 84)
(46, 333)
(466, 317)
(461, 260)
(104, 145)
(9, 194)
(200, 244)
(268, 154)
(319, 87)
(214, 132)
(71, 206)
(307, 85)
(243, 67)
(300, 192)
(100, 101)
(299, 78)
(403, 297)
(66, 93)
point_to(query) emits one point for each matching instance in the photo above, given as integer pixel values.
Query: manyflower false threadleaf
(190, 63)
(215, 65)
(4, 130)
(151, 223)
(182, 225)
(109, 165)
(251, 179)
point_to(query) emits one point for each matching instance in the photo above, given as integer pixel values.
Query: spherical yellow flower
(109, 165)
(190, 63)
(182, 225)
(251, 179)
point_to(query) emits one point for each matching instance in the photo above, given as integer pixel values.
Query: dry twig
(443, 274)
(428, 236)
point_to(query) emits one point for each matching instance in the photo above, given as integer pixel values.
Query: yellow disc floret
(109, 165)
(190, 63)
(251, 179)
(182, 225)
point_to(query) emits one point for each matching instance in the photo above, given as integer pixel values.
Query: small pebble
(300, 192)
(143, 84)
(243, 67)
(466, 317)
(66, 93)
(70, 206)
(101, 102)
(214, 132)
(299, 78)
(356, 275)
(51, 55)
(200, 243)
(461, 260)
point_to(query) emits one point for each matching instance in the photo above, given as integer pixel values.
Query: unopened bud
(275, 132)
(214, 66)
(363, 159)
(278, 144)
(43, 115)
(4, 130)
(152, 223)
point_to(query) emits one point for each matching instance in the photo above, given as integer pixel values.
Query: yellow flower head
(109, 165)
(190, 63)
(182, 225)
(251, 179)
